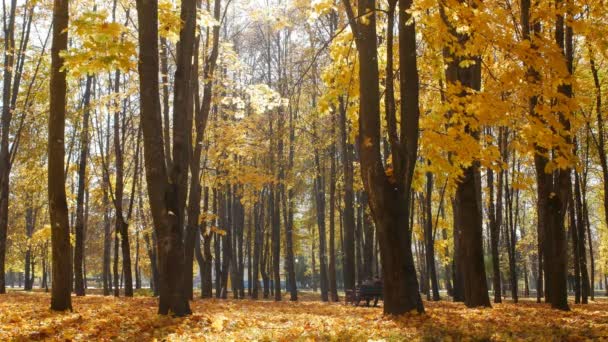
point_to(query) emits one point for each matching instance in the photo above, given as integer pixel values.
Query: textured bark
(166, 198)
(389, 197)
(58, 208)
(468, 192)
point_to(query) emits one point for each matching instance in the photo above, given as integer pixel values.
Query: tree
(389, 196)
(166, 197)
(58, 208)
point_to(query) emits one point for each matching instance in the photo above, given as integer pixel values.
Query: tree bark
(166, 198)
(429, 237)
(468, 192)
(348, 217)
(58, 208)
(389, 197)
(82, 166)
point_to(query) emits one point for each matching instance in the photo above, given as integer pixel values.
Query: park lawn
(26, 316)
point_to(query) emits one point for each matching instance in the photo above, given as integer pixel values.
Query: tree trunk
(581, 252)
(257, 245)
(495, 218)
(348, 237)
(429, 236)
(58, 208)
(206, 281)
(29, 230)
(289, 225)
(389, 197)
(319, 189)
(166, 198)
(82, 166)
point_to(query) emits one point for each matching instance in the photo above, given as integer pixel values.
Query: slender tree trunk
(581, 228)
(429, 236)
(495, 215)
(320, 206)
(333, 287)
(29, 230)
(258, 245)
(348, 238)
(82, 166)
(206, 281)
(58, 208)
(10, 90)
(289, 225)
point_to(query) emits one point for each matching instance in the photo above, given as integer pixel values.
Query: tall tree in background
(201, 115)
(82, 172)
(14, 61)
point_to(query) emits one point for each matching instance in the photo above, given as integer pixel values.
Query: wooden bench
(365, 293)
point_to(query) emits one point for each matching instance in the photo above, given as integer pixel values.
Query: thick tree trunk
(58, 208)
(471, 249)
(166, 198)
(389, 197)
(468, 192)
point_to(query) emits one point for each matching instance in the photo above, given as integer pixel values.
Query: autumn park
(304, 170)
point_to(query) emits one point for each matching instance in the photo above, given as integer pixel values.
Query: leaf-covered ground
(25, 316)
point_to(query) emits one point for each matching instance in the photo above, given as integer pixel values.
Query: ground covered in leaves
(25, 316)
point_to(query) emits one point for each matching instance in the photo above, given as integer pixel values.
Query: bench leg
(375, 301)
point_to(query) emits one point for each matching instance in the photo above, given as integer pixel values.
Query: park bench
(365, 293)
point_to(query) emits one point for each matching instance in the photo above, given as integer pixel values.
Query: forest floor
(26, 316)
